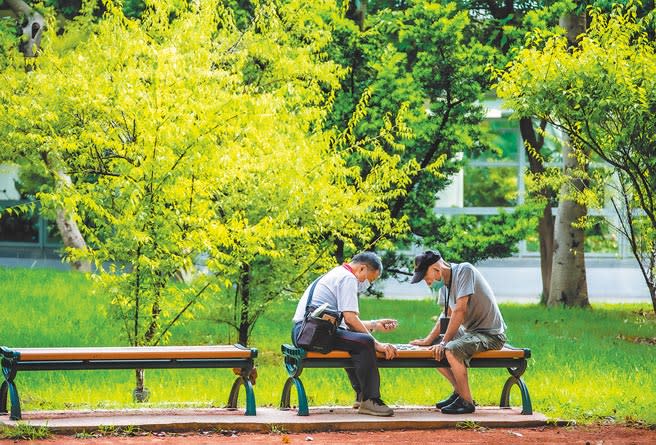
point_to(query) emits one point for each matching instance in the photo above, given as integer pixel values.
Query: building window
(19, 228)
(496, 180)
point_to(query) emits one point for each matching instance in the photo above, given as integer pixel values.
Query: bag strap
(307, 306)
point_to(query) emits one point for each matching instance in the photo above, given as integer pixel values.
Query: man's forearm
(355, 324)
(434, 333)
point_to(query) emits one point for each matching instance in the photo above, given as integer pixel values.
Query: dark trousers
(364, 376)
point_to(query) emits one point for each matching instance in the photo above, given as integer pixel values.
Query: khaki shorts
(466, 345)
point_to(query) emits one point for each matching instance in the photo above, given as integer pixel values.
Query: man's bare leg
(446, 372)
(459, 373)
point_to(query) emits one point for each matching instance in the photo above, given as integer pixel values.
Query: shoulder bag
(318, 330)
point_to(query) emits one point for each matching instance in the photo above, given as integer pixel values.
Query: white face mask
(363, 286)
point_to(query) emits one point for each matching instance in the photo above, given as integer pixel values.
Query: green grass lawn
(587, 365)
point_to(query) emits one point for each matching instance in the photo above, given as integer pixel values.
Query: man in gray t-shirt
(475, 323)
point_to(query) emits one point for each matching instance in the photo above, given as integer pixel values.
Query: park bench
(237, 357)
(297, 359)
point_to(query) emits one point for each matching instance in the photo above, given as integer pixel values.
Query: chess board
(408, 347)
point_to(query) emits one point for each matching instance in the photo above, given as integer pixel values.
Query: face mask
(437, 285)
(363, 286)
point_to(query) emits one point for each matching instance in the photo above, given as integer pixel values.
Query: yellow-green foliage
(601, 93)
(185, 136)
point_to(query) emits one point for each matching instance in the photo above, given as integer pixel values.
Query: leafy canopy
(188, 137)
(602, 93)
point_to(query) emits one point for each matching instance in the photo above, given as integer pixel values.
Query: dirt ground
(588, 435)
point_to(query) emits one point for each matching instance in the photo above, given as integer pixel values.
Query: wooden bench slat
(127, 353)
(424, 353)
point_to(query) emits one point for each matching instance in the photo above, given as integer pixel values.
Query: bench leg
(9, 373)
(3, 398)
(250, 398)
(250, 395)
(16, 413)
(302, 398)
(527, 408)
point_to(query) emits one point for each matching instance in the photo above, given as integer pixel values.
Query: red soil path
(587, 435)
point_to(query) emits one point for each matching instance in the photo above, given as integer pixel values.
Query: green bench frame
(238, 357)
(296, 359)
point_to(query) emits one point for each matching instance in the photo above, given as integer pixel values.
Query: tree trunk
(569, 284)
(68, 228)
(141, 393)
(244, 296)
(32, 25)
(339, 251)
(72, 237)
(574, 25)
(546, 234)
(357, 11)
(568, 279)
(650, 273)
(533, 143)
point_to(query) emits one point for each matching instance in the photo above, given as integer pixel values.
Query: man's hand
(388, 349)
(386, 325)
(421, 342)
(438, 350)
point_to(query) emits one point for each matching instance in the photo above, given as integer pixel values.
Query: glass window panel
(52, 233)
(533, 242)
(504, 138)
(502, 124)
(490, 186)
(21, 227)
(600, 237)
(552, 151)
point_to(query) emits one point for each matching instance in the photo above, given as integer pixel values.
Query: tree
(33, 25)
(504, 25)
(601, 94)
(422, 55)
(296, 214)
(186, 136)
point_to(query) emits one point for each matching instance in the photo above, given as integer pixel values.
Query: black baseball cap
(422, 262)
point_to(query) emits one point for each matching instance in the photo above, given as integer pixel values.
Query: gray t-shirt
(338, 288)
(483, 314)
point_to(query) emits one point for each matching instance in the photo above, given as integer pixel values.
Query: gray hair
(369, 259)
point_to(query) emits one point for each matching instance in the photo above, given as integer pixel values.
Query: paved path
(268, 419)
